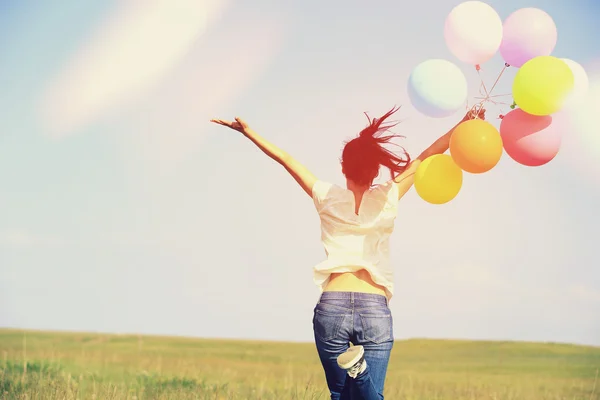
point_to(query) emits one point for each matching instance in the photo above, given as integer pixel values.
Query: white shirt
(353, 242)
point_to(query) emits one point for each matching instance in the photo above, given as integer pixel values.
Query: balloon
(473, 32)
(542, 85)
(581, 86)
(529, 139)
(527, 33)
(581, 134)
(476, 146)
(438, 179)
(437, 88)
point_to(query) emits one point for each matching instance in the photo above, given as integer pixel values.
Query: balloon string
(498, 79)
(488, 94)
(482, 83)
(500, 95)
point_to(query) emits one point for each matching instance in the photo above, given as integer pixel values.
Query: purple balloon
(527, 33)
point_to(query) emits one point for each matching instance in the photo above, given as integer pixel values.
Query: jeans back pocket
(326, 325)
(377, 326)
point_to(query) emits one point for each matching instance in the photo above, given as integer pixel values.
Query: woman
(356, 280)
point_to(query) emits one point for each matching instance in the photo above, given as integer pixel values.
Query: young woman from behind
(352, 321)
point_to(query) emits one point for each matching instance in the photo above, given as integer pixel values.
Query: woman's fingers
(241, 122)
(222, 122)
(237, 125)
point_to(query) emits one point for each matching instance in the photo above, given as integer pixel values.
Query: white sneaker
(353, 361)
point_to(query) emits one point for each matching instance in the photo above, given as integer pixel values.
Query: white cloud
(487, 285)
(585, 294)
(24, 239)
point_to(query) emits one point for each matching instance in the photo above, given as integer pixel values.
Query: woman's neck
(358, 191)
(356, 188)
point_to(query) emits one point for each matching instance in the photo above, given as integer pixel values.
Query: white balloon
(473, 32)
(582, 84)
(437, 88)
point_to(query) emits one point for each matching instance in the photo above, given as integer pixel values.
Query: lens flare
(128, 53)
(582, 131)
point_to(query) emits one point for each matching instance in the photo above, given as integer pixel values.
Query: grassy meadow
(48, 365)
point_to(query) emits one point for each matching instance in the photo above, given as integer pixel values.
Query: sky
(122, 209)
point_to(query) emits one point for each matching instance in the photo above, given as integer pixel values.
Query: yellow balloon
(542, 85)
(438, 179)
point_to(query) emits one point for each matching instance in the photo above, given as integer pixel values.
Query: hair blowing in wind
(363, 155)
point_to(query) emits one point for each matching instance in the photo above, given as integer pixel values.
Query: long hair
(363, 156)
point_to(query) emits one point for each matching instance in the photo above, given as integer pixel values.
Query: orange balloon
(476, 146)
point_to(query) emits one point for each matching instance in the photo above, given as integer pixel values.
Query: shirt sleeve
(320, 191)
(394, 193)
(389, 191)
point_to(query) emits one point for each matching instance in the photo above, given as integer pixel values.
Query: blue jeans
(363, 319)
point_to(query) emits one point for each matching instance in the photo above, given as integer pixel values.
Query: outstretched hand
(238, 125)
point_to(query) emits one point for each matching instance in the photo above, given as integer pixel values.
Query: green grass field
(47, 365)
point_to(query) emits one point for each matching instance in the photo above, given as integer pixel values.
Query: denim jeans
(363, 319)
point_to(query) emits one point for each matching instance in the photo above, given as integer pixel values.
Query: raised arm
(299, 172)
(406, 179)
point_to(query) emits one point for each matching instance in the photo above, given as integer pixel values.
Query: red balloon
(530, 140)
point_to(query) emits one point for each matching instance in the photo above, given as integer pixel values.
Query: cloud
(128, 53)
(480, 287)
(23, 239)
(585, 294)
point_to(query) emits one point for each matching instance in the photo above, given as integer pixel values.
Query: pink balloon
(529, 139)
(527, 33)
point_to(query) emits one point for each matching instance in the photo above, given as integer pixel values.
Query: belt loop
(352, 297)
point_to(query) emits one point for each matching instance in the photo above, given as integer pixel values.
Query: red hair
(364, 155)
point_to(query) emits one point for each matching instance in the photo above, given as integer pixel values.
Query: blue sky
(123, 210)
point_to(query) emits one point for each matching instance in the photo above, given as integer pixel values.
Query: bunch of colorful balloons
(543, 86)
